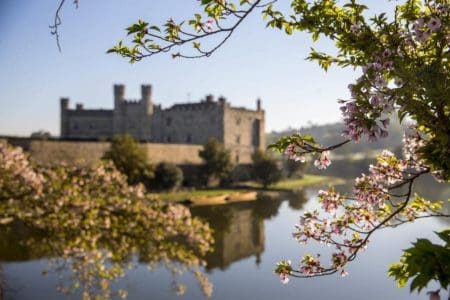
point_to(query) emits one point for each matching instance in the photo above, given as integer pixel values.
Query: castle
(241, 130)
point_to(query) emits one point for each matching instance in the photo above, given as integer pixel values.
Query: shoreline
(245, 191)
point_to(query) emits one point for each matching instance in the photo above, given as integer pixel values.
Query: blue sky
(256, 62)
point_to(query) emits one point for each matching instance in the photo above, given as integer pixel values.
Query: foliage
(217, 161)
(130, 159)
(92, 221)
(168, 176)
(41, 135)
(424, 261)
(404, 59)
(265, 169)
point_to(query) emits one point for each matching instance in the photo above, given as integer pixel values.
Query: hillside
(330, 134)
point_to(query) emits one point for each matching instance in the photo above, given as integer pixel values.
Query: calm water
(250, 238)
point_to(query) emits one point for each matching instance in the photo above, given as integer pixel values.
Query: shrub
(217, 162)
(265, 169)
(130, 160)
(167, 176)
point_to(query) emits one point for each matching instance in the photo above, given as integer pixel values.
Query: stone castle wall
(88, 124)
(243, 132)
(192, 123)
(83, 153)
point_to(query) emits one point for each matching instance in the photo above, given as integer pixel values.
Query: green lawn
(288, 184)
(183, 195)
(307, 180)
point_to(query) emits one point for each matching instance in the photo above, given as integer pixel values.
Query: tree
(41, 135)
(265, 168)
(217, 161)
(130, 159)
(403, 57)
(168, 176)
(91, 223)
(293, 169)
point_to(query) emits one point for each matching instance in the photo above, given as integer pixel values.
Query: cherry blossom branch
(175, 36)
(368, 212)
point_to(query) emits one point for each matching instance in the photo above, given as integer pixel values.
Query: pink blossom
(386, 53)
(388, 65)
(380, 81)
(291, 151)
(209, 25)
(422, 37)
(418, 24)
(442, 8)
(375, 100)
(323, 162)
(377, 66)
(284, 278)
(356, 27)
(434, 24)
(330, 200)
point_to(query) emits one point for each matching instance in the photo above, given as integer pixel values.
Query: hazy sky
(256, 62)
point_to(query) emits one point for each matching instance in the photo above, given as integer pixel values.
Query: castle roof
(197, 105)
(91, 112)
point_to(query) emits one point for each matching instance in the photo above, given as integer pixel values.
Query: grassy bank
(306, 181)
(190, 195)
(248, 187)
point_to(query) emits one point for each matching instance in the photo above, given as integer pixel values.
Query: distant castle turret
(239, 129)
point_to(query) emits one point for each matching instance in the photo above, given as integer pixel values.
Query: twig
(57, 23)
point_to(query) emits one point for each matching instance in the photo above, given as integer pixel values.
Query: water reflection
(239, 227)
(91, 273)
(262, 229)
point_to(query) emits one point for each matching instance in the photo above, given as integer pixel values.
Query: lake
(250, 238)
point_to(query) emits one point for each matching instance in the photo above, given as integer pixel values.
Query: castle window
(238, 121)
(188, 120)
(169, 139)
(75, 126)
(237, 158)
(238, 139)
(168, 121)
(189, 139)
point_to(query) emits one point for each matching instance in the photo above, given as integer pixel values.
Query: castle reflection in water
(239, 227)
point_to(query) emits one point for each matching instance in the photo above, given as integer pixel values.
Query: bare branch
(57, 22)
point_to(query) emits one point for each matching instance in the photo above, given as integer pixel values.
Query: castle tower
(64, 106)
(146, 93)
(259, 140)
(119, 96)
(119, 109)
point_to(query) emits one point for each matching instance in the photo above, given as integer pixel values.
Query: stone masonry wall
(188, 123)
(83, 153)
(243, 133)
